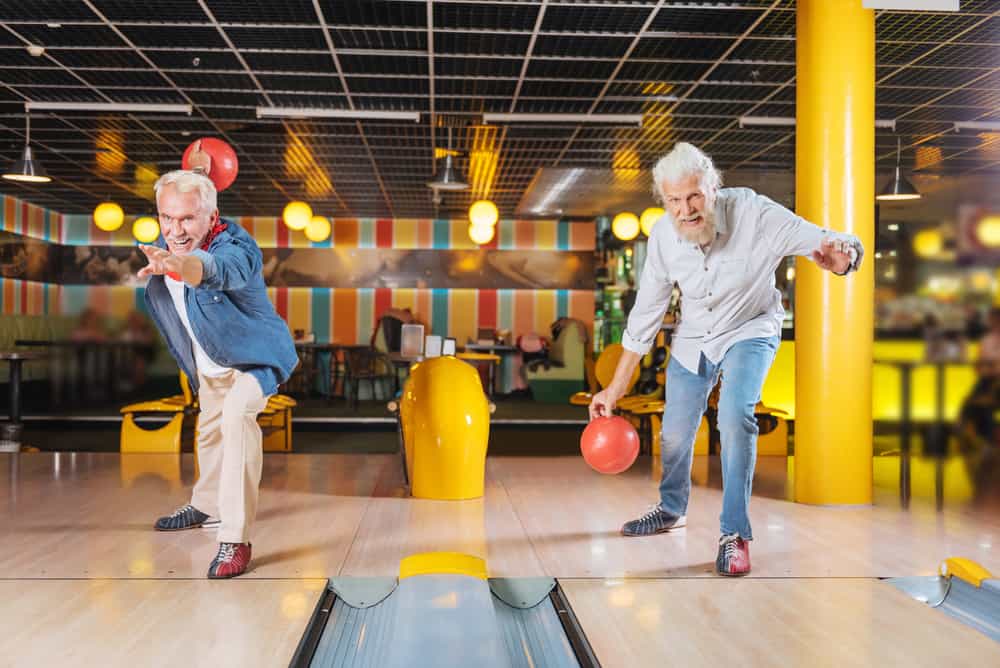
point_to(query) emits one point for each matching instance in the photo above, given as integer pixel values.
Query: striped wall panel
(342, 315)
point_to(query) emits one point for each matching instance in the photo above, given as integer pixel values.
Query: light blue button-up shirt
(728, 292)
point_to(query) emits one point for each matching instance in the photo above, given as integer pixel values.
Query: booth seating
(180, 430)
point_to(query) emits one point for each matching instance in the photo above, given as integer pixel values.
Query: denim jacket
(230, 313)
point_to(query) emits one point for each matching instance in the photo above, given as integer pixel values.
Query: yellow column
(835, 188)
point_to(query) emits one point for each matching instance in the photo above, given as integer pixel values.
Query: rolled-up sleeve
(653, 298)
(790, 234)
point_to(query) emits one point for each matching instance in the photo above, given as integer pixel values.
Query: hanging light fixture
(648, 219)
(108, 216)
(318, 229)
(898, 188)
(448, 179)
(481, 234)
(297, 215)
(625, 226)
(146, 229)
(484, 212)
(27, 169)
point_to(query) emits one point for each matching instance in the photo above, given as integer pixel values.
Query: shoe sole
(732, 575)
(226, 577)
(679, 525)
(193, 526)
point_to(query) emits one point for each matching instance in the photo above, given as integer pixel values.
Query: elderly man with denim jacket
(206, 294)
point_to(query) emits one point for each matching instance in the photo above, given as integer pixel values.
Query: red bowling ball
(221, 164)
(609, 444)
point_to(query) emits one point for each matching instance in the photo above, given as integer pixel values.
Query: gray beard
(702, 236)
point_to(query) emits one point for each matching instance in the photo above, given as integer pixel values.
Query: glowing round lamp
(928, 243)
(625, 226)
(297, 215)
(483, 212)
(108, 216)
(146, 229)
(318, 229)
(649, 218)
(988, 231)
(481, 234)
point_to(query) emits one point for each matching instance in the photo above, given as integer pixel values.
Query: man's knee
(738, 417)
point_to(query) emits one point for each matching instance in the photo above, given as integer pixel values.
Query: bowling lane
(769, 622)
(154, 623)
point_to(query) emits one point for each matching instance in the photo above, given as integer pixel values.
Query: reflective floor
(88, 517)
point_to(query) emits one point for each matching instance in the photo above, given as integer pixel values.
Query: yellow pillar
(835, 188)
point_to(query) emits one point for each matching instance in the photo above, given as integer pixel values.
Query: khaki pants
(230, 452)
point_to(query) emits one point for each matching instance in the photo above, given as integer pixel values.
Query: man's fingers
(145, 271)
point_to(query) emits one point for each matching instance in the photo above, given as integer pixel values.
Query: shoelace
(181, 511)
(729, 544)
(653, 511)
(226, 552)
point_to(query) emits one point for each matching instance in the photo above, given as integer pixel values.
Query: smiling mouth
(691, 222)
(181, 244)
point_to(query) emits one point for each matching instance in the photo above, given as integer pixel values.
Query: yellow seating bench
(180, 430)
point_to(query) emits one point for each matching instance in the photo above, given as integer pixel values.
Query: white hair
(186, 181)
(683, 161)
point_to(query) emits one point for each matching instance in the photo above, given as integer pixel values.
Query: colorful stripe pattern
(341, 315)
(373, 233)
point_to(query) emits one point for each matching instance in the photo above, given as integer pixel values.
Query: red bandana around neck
(216, 230)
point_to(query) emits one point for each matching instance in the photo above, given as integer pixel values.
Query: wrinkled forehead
(173, 202)
(684, 188)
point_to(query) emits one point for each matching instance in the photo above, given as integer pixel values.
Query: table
(509, 375)
(401, 361)
(473, 358)
(10, 440)
(106, 356)
(310, 355)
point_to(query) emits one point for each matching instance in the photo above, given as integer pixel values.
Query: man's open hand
(833, 255)
(161, 262)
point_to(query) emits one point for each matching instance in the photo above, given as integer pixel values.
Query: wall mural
(30, 259)
(399, 268)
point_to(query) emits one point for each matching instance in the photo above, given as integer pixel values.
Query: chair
(366, 364)
(555, 379)
(180, 431)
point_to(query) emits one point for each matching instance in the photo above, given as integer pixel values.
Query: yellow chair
(601, 373)
(171, 436)
(276, 423)
(637, 408)
(180, 432)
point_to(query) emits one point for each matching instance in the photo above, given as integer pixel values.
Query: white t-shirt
(204, 363)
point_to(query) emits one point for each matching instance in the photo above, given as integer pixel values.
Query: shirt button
(706, 267)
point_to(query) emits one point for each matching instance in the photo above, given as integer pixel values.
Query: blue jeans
(744, 368)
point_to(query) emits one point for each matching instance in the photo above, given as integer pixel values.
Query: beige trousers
(230, 452)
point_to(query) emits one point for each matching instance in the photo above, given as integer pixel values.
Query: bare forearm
(192, 270)
(623, 372)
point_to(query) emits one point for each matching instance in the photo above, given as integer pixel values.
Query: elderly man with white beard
(722, 247)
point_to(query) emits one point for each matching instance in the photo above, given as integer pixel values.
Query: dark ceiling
(693, 68)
